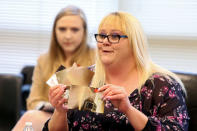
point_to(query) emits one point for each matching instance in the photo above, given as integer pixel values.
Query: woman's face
(117, 53)
(69, 32)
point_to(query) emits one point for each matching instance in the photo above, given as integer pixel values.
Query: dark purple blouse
(161, 99)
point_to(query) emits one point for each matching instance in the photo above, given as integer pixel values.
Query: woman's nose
(68, 34)
(106, 41)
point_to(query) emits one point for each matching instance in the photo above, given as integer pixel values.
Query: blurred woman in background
(68, 45)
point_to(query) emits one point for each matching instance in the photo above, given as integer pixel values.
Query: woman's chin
(69, 50)
(106, 61)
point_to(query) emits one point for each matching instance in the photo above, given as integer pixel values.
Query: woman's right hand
(56, 98)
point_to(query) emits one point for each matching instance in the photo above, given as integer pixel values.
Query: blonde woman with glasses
(138, 94)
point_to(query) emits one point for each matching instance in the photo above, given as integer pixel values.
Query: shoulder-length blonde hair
(131, 27)
(83, 54)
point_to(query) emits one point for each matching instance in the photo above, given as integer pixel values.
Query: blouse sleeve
(164, 104)
(39, 90)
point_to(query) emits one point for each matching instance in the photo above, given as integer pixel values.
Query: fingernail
(63, 86)
(107, 98)
(96, 90)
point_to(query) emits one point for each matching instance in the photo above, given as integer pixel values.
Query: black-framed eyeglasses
(111, 38)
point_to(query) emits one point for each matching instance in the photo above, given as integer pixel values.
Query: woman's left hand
(117, 95)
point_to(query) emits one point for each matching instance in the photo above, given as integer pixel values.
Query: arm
(168, 110)
(119, 98)
(58, 120)
(162, 107)
(136, 118)
(39, 90)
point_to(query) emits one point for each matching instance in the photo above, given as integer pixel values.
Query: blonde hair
(131, 27)
(83, 54)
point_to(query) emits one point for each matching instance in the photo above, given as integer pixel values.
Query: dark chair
(10, 102)
(190, 82)
(27, 73)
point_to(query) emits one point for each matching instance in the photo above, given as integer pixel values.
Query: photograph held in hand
(78, 92)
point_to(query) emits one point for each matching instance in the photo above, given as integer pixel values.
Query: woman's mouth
(67, 44)
(107, 51)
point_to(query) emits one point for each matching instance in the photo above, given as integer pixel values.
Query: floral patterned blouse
(161, 99)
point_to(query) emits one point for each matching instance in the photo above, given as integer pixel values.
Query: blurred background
(171, 27)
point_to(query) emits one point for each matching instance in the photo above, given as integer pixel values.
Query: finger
(62, 105)
(106, 91)
(116, 97)
(65, 87)
(111, 93)
(54, 90)
(103, 88)
(52, 94)
(57, 94)
(114, 92)
(61, 102)
(57, 97)
(59, 88)
(56, 86)
(111, 90)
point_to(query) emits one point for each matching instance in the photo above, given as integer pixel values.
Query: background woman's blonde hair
(131, 27)
(56, 54)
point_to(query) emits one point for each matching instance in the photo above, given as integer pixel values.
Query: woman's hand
(56, 98)
(117, 95)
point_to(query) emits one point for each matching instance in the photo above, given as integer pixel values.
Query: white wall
(25, 27)
(173, 52)
(20, 48)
